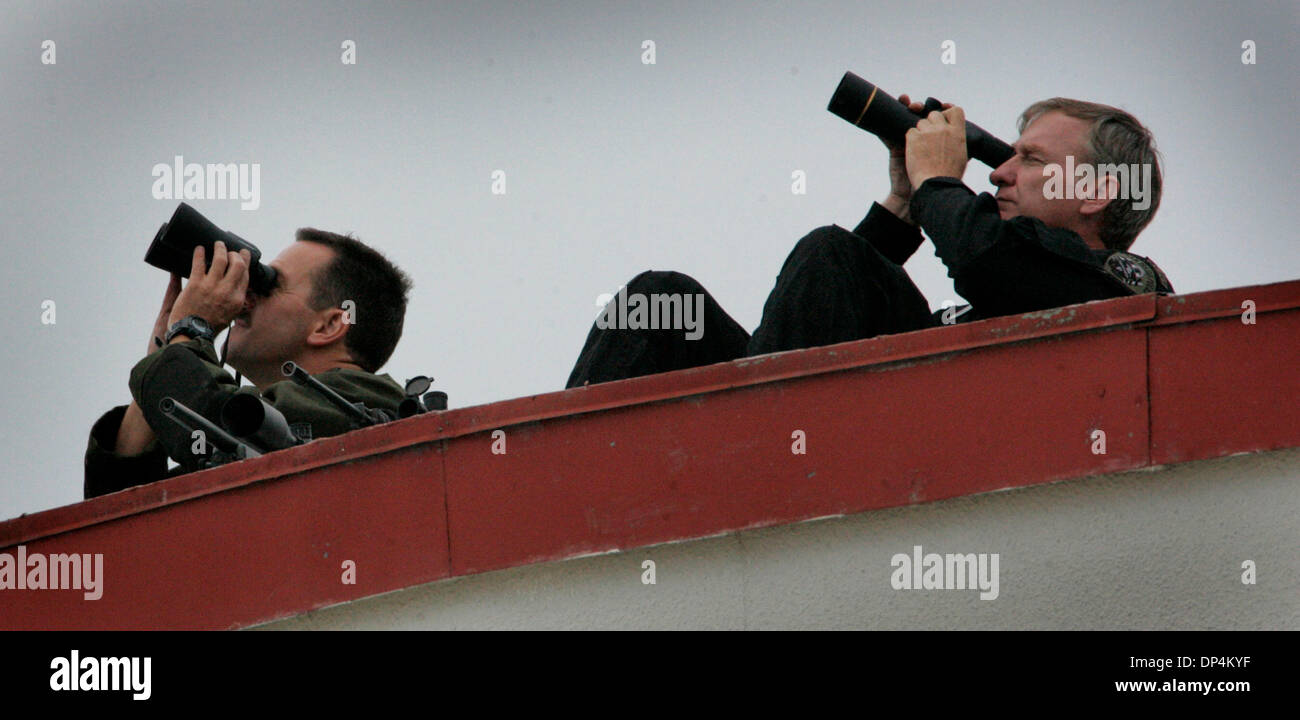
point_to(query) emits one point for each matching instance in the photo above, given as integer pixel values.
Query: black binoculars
(172, 248)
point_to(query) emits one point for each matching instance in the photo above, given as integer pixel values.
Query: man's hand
(936, 147)
(162, 323)
(900, 187)
(215, 294)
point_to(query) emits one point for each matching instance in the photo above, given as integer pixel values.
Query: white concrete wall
(1155, 549)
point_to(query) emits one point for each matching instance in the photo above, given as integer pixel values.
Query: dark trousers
(834, 287)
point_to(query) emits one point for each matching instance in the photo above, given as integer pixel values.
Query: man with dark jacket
(336, 310)
(1031, 247)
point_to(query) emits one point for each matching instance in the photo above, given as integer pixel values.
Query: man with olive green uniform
(301, 320)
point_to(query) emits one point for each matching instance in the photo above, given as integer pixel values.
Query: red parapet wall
(889, 421)
(1218, 385)
(876, 436)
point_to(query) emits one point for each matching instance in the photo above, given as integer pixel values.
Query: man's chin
(233, 350)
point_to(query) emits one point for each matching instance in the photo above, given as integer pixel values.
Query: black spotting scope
(875, 111)
(250, 418)
(172, 248)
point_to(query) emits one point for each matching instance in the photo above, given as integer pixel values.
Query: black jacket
(1006, 267)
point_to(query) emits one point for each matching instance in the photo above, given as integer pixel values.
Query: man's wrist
(939, 181)
(191, 326)
(134, 437)
(900, 208)
(920, 179)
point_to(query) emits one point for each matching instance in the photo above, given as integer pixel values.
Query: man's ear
(1107, 191)
(331, 325)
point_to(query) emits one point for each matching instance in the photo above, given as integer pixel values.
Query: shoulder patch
(1133, 271)
(1162, 284)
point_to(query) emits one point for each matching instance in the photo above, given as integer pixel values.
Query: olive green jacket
(190, 373)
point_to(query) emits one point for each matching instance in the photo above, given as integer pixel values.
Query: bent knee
(830, 240)
(664, 281)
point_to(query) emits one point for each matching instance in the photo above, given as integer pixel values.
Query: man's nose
(1003, 174)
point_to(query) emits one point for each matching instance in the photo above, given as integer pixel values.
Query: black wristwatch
(192, 325)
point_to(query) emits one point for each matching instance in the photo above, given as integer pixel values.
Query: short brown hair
(1116, 137)
(376, 287)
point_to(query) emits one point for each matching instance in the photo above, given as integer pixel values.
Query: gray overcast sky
(612, 166)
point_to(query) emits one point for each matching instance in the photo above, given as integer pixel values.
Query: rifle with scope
(225, 447)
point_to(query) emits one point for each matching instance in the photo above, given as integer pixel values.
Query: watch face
(193, 326)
